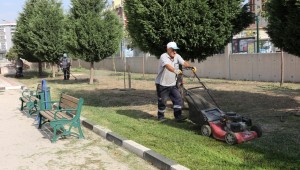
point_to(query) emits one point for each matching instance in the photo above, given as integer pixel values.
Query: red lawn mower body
(226, 126)
(219, 133)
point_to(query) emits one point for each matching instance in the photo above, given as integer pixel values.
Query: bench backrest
(70, 102)
(39, 88)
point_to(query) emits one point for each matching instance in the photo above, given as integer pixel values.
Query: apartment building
(117, 4)
(247, 40)
(7, 31)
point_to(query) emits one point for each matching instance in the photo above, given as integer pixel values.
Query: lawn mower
(226, 126)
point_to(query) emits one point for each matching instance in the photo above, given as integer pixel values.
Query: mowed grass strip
(130, 114)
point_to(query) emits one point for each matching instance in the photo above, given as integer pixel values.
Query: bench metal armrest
(29, 93)
(30, 98)
(62, 110)
(49, 101)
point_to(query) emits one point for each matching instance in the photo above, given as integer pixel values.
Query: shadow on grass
(29, 74)
(280, 90)
(72, 80)
(138, 114)
(114, 97)
(256, 105)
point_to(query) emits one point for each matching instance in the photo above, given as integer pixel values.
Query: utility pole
(257, 33)
(123, 43)
(282, 68)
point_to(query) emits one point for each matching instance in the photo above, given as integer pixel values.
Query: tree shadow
(30, 74)
(138, 114)
(72, 80)
(281, 90)
(114, 97)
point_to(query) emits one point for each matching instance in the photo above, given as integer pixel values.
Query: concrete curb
(147, 154)
(12, 88)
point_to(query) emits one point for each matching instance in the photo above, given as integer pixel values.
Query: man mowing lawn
(166, 82)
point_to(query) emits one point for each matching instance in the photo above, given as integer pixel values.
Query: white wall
(254, 67)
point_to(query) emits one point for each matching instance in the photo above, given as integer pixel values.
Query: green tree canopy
(284, 24)
(39, 33)
(92, 32)
(23, 39)
(12, 54)
(201, 28)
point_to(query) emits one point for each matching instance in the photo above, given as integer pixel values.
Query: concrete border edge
(143, 152)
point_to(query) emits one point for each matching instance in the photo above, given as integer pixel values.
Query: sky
(10, 9)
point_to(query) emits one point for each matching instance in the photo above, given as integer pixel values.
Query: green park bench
(30, 98)
(63, 117)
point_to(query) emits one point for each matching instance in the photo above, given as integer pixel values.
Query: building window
(3, 46)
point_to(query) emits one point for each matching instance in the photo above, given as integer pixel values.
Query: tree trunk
(79, 65)
(124, 58)
(144, 56)
(282, 68)
(40, 68)
(53, 69)
(92, 73)
(129, 77)
(114, 64)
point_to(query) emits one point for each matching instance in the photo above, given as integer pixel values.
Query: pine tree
(39, 34)
(12, 54)
(22, 38)
(92, 32)
(283, 24)
(201, 28)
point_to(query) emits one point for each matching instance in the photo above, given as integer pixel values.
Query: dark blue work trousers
(165, 92)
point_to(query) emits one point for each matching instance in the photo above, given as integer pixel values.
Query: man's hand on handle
(177, 72)
(194, 69)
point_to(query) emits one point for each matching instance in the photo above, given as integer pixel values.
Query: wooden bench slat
(27, 99)
(49, 114)
(63, 115)
(70, 98)
(67, 104)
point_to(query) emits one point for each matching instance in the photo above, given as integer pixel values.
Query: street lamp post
(257, 33)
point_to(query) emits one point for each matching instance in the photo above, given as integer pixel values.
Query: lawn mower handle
(190, 68)
(203, 85)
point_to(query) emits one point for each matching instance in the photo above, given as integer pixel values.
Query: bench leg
(31, 111)
(54, 138)
(80, 133)
(22, 105)
(39, 120)
(30, 106)
(77, 125)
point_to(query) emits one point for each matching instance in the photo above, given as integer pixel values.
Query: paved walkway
(6, 83)
(23, 146)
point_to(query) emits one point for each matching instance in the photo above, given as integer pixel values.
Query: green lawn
(131, 114)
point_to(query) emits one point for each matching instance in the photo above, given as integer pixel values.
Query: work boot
(180, 118)
(161, 119)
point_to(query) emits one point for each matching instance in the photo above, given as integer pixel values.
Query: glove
(194, 69)
(177, 72)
